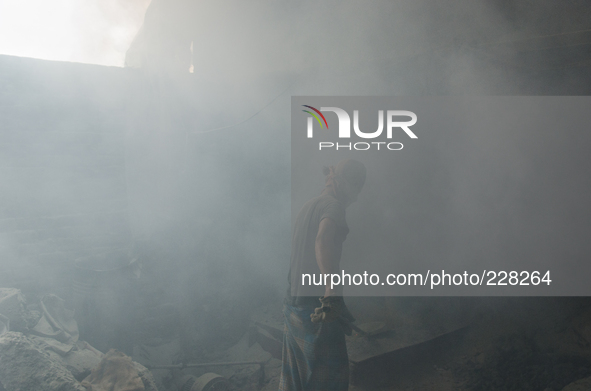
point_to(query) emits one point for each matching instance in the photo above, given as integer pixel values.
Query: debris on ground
(13, 306)
(56, 326)
(81, 360)
(117, 372)
(40, 350)
(27, 365)
(146, 376)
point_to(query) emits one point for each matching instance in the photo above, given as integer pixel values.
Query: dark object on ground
(216, 364)
(370, 329)
(381, 370)
(207, 382)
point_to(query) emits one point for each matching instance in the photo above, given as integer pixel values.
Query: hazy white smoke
(87, 31)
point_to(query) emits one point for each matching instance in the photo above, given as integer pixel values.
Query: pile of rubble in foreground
(40, 350)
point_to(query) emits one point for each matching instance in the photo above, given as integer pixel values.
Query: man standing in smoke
(314, 349)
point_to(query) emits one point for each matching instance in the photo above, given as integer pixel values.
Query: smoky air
(147, 206)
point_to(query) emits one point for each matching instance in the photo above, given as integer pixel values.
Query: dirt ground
(521, 344)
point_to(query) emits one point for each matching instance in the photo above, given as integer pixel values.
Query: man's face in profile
(351, 193)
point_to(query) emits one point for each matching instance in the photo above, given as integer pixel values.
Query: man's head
(350, 176)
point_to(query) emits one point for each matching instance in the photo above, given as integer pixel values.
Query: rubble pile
(40, 350)
(25, 364)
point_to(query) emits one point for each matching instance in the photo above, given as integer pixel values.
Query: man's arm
(328, 254)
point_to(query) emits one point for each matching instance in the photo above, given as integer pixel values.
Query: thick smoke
(206, 154)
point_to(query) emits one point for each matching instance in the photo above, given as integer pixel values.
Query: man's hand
(333, 308)
(329, 311)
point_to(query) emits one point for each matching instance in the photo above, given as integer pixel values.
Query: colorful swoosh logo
(316, 116)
